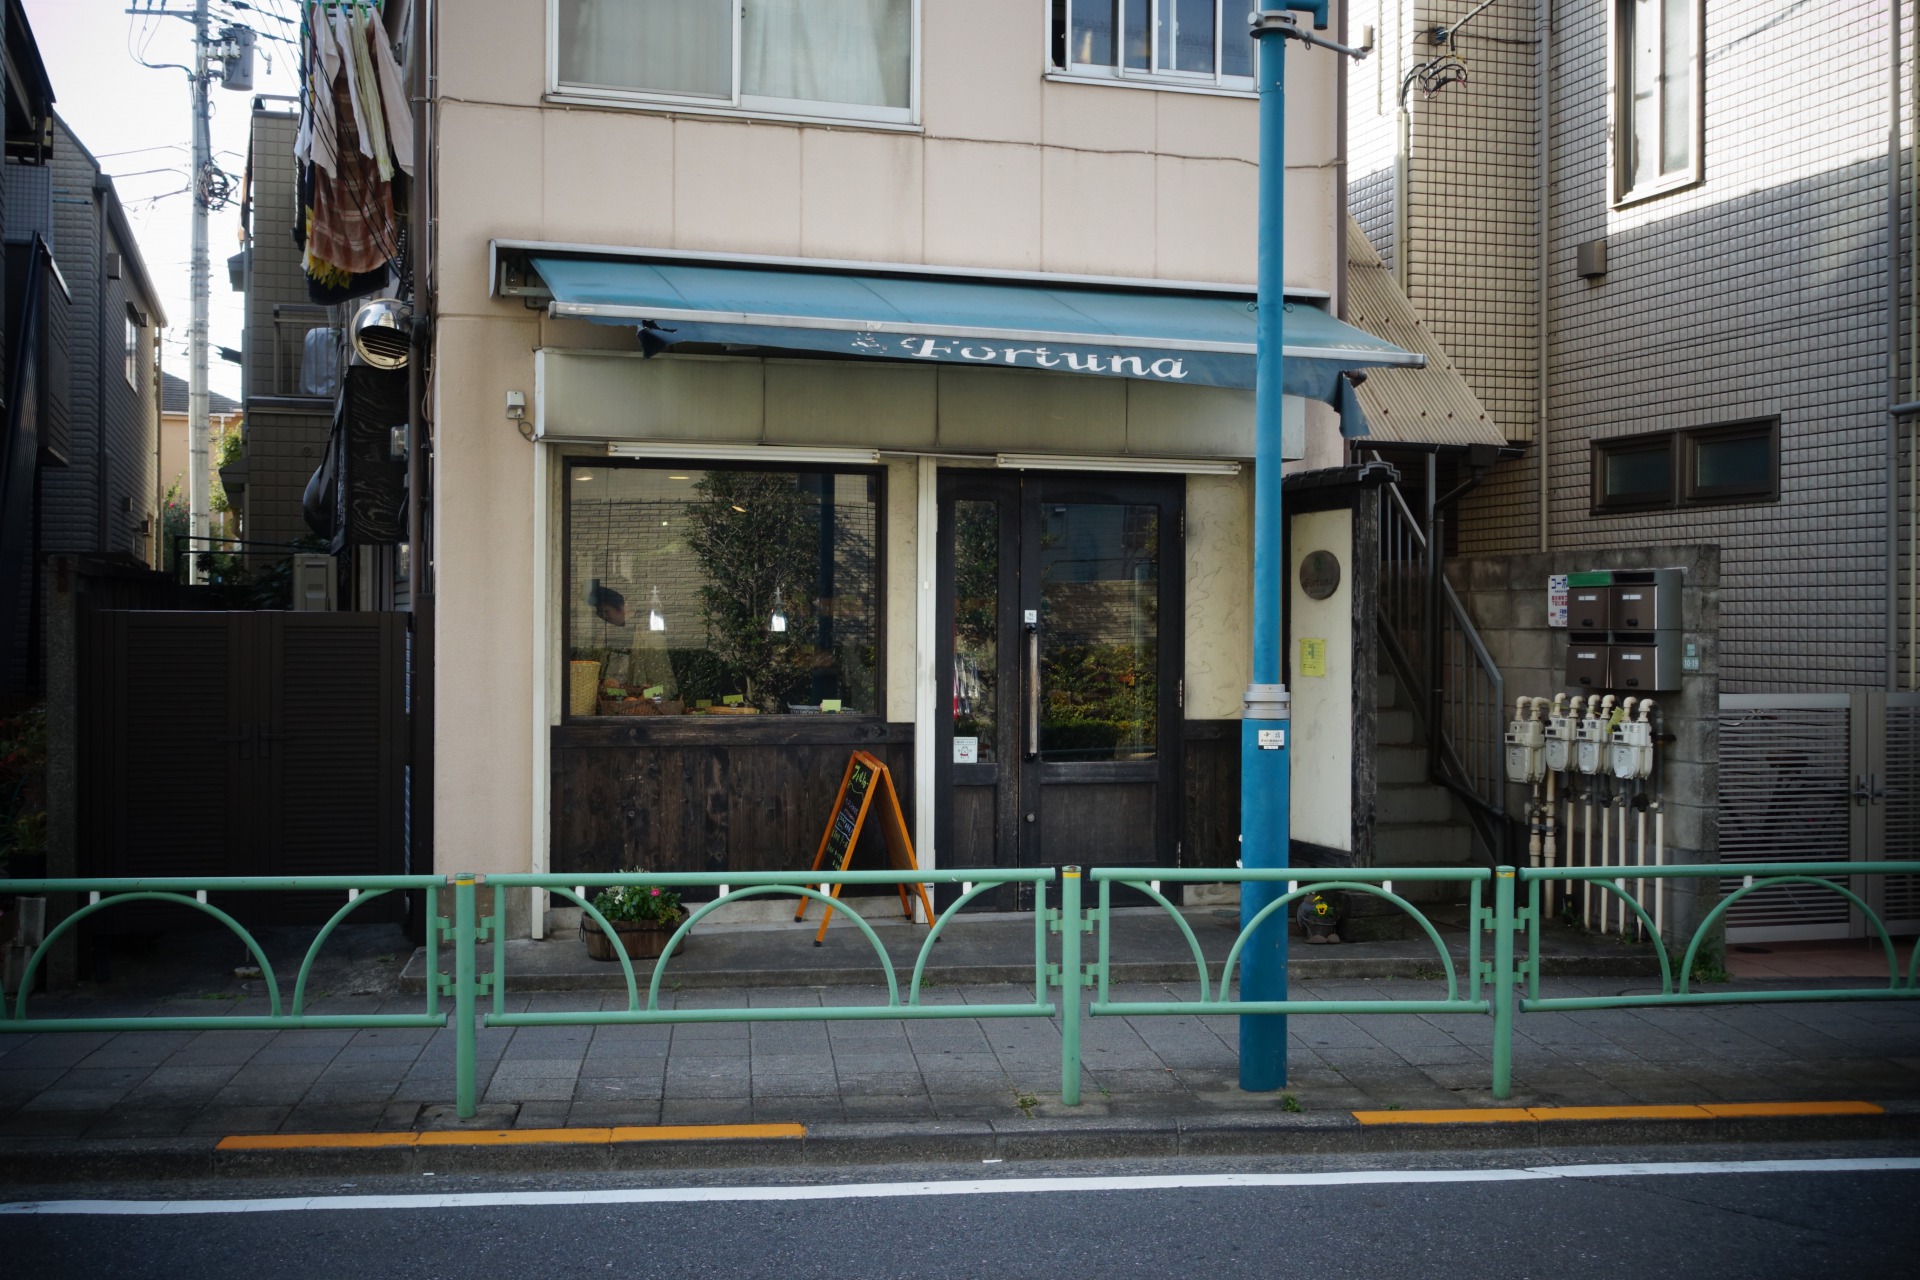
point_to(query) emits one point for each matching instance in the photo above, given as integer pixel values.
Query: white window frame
(1620, 122)
(133, 352)
(1180, 81)
(741, 104)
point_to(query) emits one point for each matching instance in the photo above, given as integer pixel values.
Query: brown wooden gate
(255, 743)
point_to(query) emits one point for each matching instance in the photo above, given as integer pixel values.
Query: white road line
(976, 1187)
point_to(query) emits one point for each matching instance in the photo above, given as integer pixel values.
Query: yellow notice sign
(1313, 657)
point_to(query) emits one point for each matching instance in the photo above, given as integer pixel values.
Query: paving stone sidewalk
(171, 1084)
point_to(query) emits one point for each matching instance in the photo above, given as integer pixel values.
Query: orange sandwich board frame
(865, 778)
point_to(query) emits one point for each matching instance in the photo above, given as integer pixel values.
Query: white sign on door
(966, 750)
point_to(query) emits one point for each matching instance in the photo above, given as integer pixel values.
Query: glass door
(1061, 600)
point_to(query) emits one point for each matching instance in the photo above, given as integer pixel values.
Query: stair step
(1394, 728)
(1414, 804)
(1386, 690)
(1400, 766)
(1421, 845)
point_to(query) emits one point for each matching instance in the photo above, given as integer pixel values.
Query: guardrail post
(1071, 980)
(465, 988)
(1503, 977)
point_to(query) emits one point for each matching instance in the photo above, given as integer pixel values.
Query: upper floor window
(842, 59)
(1735, 462)
(133, 351)
(1200, 44)
(1657, 96)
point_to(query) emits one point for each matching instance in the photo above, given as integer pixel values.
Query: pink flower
(655, 892)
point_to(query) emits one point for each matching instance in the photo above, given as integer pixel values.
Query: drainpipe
(1543, 82)
(1892, 549)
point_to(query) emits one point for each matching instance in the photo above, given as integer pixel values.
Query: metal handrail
(1429, 638)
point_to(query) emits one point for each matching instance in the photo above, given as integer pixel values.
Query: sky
(138, 122)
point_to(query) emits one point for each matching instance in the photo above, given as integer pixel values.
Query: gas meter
(1526, 744)
(1562, 729)
(1632, 744)
(1592, 738)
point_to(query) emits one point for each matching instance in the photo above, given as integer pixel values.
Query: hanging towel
(342, 35)
(393, 97)
(318, 142)
(372, 115)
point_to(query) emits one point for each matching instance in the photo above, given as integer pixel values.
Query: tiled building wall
(283, 450)
(1757, 292)
(69, 496)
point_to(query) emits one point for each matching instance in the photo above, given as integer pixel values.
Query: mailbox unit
(1625, 630)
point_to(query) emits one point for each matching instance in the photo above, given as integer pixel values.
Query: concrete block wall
(1507, 597)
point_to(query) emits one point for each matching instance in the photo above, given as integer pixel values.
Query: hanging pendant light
(779, 620)
(656, 620)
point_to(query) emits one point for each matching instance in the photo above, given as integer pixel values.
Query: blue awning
(1160, 335)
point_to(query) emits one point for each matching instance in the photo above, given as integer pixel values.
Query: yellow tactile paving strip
(508, 1137)
(1704, 1111)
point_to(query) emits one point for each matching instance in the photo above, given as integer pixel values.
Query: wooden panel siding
(683, 793)
(1210, 794)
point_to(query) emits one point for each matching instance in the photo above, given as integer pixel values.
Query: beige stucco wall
(1006, 170)
(1320, 752)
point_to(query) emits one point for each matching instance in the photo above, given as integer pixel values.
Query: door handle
(1033, 691)
(1867, 788)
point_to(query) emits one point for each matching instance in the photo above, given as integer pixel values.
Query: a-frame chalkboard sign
(865, 779)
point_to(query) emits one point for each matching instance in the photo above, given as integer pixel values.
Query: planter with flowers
(644, 917)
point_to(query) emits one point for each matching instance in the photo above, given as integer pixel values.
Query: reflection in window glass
(1741, 463)
(710, 585)
(1099, 631)
(1634, 475)
(976, 625)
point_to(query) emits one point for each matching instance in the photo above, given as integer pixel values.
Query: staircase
(1417, 823)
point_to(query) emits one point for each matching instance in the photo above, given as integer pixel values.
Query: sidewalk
(920, 1082)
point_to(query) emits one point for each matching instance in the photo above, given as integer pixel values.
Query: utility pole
(199, 470)
(1266, 715)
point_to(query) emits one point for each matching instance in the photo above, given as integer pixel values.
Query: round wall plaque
(1320, 574)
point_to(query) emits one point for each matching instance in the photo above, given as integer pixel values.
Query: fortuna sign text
(1045, 358)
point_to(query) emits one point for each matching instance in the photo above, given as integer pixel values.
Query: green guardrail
(736, 887)
(193, 893)
(1488, 986)
(1755, 876)
(1374, 881)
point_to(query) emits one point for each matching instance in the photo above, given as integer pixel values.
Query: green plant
(757, 536)
(1290, 1103)
(1709, 969)
(23, 774)
(638, 904)
(1026, 1102)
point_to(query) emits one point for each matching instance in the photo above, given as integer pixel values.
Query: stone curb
(49, 1161)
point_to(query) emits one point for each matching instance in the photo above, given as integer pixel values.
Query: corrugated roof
(1433, 405)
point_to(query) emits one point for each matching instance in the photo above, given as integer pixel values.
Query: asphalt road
(1620, 1214)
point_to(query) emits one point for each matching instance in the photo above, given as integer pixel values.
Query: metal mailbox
(1645, 600)
(1589, 608)
(1588, 665)
(1647, 668)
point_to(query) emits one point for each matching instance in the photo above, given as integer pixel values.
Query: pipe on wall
(1543, 84)
(1895, 58)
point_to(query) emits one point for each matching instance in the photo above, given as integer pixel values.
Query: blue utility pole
(1265, 710)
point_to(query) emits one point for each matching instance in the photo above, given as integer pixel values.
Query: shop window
(849, 59)
(1195, 44)
(721, 592)
(1700, 466)
(1657, 96)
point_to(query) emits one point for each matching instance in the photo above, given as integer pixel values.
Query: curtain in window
(851, 51)
(654, 46)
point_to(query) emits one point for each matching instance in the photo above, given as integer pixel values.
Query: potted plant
(644, 917)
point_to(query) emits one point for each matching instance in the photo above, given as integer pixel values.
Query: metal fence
(1493, 973)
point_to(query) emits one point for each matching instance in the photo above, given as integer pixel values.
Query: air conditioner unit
(313, 579)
